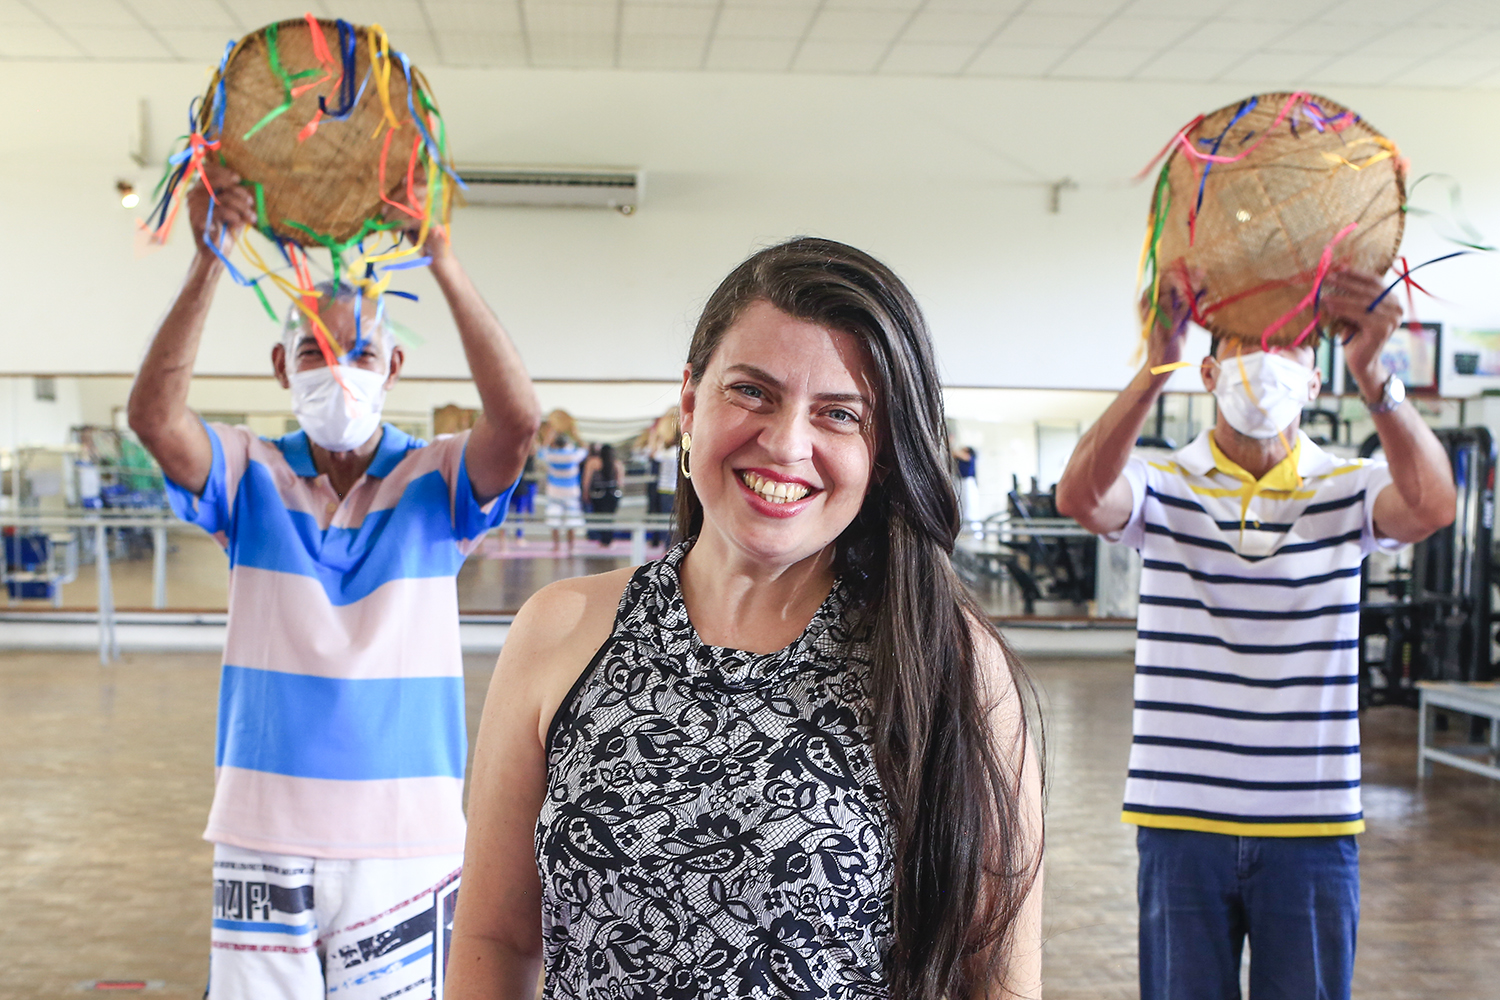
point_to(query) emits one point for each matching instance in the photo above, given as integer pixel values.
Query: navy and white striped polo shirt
(1246, 686)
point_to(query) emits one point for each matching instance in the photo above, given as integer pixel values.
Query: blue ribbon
(347, 97)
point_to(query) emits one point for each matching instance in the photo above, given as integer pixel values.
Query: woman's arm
(497, 943)
(1019, 752)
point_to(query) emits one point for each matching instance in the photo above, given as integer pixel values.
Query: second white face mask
(1278, 389)
(335, 419)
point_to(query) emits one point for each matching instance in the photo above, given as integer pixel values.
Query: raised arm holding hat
(1244, 767)
(337, 818)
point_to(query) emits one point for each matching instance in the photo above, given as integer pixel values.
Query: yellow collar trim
(1282, 478)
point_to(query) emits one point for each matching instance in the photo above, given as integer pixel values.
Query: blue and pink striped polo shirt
(341, 708)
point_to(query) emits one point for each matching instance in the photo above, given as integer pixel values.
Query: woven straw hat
(329, 182)
(1300, 184)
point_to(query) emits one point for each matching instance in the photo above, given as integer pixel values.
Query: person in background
(665, 456)
(523, 499)
(965, 473)
(590, 460)
(602, 477)
(561, 454)
(1244, 770)
(791, 758)
(337, 815)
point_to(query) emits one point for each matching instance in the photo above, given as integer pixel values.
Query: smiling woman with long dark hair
(791, 758)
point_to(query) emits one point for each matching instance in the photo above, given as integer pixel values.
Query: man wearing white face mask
(1244, 768)
(337, 820)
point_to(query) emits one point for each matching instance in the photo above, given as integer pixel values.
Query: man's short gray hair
(293, 324)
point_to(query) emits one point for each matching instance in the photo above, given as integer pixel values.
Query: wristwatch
(1392, 395)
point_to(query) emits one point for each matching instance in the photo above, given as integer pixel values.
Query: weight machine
(1435, 620)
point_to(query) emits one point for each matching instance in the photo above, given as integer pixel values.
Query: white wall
(27, 422)
(945, 179)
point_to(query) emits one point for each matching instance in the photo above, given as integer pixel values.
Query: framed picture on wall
(1412, 355)
(1476, 352)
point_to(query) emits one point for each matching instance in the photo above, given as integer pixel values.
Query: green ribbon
(273, 56)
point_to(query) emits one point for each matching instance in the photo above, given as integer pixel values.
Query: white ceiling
(1423, 43)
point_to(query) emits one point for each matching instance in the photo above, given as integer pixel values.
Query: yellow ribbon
(380, 63)
(294, 292)
(1388, 150)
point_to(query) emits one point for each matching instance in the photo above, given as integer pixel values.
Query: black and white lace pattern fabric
(714, 825)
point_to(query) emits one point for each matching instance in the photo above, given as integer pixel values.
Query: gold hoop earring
(682, 455)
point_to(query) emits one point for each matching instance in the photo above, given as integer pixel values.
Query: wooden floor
(108, 771)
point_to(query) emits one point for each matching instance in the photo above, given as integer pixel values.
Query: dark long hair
(963, 864)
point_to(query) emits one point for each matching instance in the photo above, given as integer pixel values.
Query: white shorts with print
(292, 928)
(564, 507)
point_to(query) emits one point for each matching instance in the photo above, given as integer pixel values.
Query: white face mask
(1270, 394)
(335, 419)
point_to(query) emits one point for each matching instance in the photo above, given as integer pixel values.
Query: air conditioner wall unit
(620, 188)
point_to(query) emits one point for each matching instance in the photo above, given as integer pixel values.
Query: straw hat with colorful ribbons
(1259, 200)
(340, 140)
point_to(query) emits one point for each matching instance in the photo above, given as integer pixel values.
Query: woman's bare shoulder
(571, 613)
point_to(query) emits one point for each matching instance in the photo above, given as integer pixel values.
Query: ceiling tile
(420, 48)
(927, 57)
(12, 12)
(839, 57)
(757, 54)
(671, 20)
(253, 14)
(656, 52)
(1281, 67)
(1101, 8)
(1142, 32)
(555, 50)
(1186, 64)
(905, 6)
(25, 42)
(1007, 60)
(1093, 63)
(570, 19)
(1471, 13)
(119, 43)
(1005, 7)
(1446, 72)
(394, 16)
(481, 18)
(1352, 71)
(807, 6)
(1291, 10)
(1367, 12)
(737, 21)
(1328, 39)
(478, 48)
(175, 14)
(91, 14)
(1237, 36)
(1480, 46)
(857, 25)
(205, 45)
(1040, 30)
(941, 26)
(1414, 42)
(1165, 8)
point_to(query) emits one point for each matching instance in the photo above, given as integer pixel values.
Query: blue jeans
(1201, 894)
